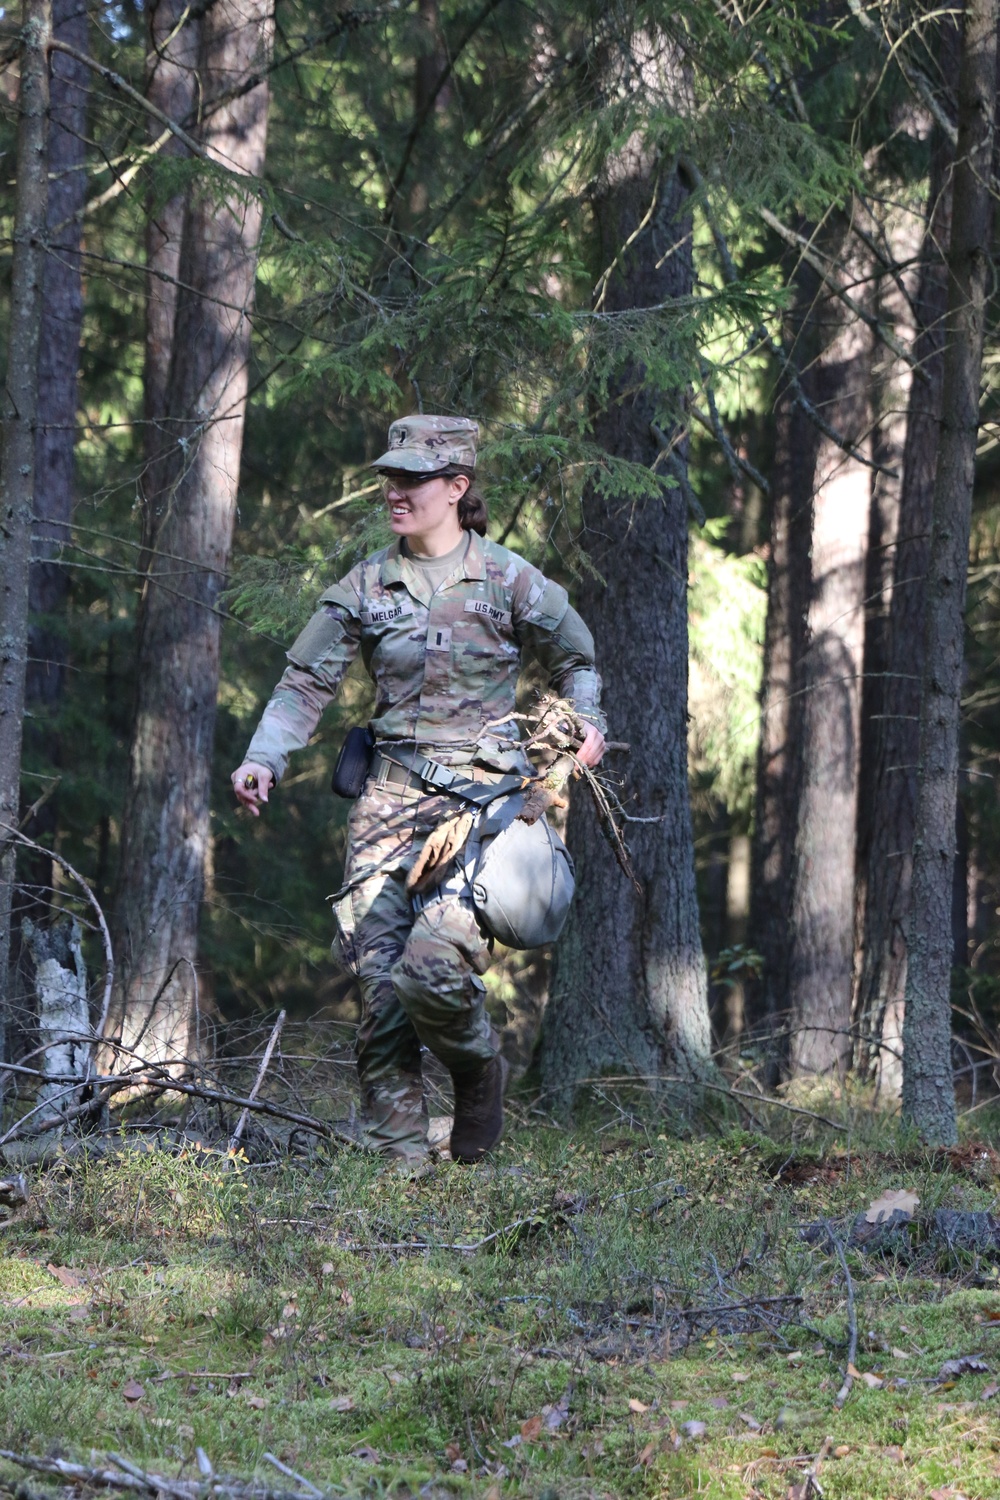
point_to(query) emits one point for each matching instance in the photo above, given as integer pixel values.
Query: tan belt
(390, 773)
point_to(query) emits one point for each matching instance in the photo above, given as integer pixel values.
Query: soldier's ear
(459, 484)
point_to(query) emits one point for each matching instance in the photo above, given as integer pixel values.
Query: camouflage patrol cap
(423, 445)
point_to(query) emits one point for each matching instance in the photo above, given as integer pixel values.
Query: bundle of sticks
(556, 732)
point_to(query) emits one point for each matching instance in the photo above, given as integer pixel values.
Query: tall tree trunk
(171, 84)
(928, 1091)
(55, 439)
(628, 988)
(821, 948)
(779, 762)
(899, 232)
(19, 410)
(193, 485)
(885, 873)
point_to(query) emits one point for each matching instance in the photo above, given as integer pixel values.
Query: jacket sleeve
(319, 660)
(550, 628)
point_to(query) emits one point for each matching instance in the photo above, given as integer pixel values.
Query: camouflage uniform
(445, 664)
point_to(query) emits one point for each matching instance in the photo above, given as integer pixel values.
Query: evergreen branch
(737, 463)
(519, 117)
(122, 86)
(816, 261)
(417, 127)
(678, 471)
(918, 81)
(762, 337)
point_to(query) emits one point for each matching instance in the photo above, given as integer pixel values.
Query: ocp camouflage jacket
(444, 663)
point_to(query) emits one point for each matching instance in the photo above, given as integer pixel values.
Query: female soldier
(441, 618)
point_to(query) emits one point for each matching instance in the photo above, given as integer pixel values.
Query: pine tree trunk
(928, 1090)
(193, 487)
(55, 439)
(779, 762)
(885, 872)
(170, 84)
(628, 988)
(821, 948)
(19, 410)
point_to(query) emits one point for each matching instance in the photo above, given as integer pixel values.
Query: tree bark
(55, 438)
(928, 1090)
(628, 988)
(887, 858)
(779, 760)
(19, 409)
(821, 938)
(171, 84)
(193, 486)
(58, 358)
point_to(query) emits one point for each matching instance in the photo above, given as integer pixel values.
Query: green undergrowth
(601, 1312)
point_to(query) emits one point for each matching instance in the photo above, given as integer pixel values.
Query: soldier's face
(422, 505)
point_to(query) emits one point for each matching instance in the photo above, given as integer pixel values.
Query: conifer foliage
(671, 261)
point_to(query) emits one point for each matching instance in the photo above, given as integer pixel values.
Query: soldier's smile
(421, 507)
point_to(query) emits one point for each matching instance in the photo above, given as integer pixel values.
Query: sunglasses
(406, 482)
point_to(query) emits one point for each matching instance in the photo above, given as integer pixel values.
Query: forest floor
(600, 1311)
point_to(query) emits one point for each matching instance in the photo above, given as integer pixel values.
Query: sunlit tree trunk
(821, 947)
(19, 411)
(887, 859)
(193, 487)
(628, 988)
(928, 1091)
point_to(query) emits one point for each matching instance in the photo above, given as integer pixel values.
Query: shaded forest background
(691, 274)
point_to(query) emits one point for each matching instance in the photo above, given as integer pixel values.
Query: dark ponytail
(472, 514)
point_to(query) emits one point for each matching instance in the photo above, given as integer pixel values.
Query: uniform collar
(473, 564)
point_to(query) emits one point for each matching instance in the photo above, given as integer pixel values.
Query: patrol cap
(424, 445)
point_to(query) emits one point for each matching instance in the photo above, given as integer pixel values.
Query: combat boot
(478, 1110)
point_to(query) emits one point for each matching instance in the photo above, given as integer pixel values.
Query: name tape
(386, 613)
(480, 607)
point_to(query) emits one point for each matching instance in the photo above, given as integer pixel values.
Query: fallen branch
(852, 1320)
(234, 1139)
(106, 1088)
(717, 1088)
(810, 1483)
(128, 1476)
(404, 1245)
(291, 1474)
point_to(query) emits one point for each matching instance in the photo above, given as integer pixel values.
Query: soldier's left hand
(592, 749)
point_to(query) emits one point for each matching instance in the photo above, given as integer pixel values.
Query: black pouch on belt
(354, 762)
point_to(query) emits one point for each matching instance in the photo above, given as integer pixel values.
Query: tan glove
(440, 848)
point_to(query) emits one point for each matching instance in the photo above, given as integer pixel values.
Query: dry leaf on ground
(893, 1200)
(343, 1403)
(637, 1406)
(67, 1277)
(531, 1430)
(133, 1391)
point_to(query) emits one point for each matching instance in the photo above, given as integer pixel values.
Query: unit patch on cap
(424, 445)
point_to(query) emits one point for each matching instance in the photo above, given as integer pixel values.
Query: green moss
(260, 1314)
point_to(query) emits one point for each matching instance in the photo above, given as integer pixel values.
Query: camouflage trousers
(418, 969)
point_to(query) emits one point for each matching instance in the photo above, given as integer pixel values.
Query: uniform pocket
(344, 946)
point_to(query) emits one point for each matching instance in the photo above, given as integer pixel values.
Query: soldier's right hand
(251, 783)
